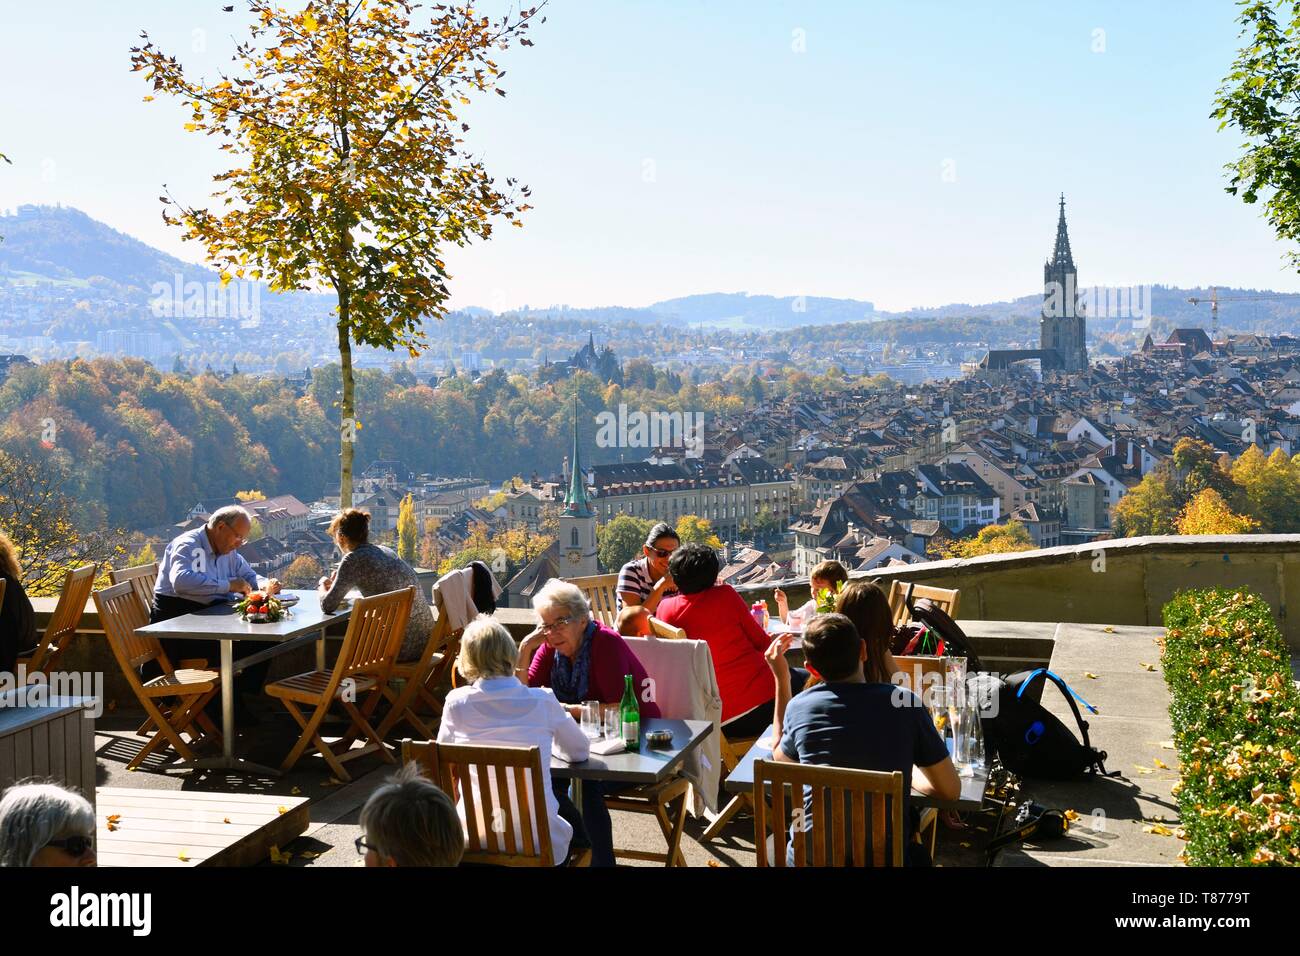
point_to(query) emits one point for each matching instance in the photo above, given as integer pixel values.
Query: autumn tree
(251, 495)
(1208, 513)
(1271, 488)
(992, 539)
(692, 529)
(1198, 467)
(619, 540)
(40, 519)
(407, 528)
(430, 547)
(349, 167)
(1150, 507)
(304, 572)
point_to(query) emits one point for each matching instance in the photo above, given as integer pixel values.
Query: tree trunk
(347, 413)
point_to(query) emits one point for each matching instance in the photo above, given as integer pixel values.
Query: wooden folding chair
(437, 659)
(666, 802)
(63, 622)
(504, 795)
(142, 579)
(900, 592)
(376, 627)
(838, 839)
(601, 591)
(665, 630)
(733, 752)
(173, 701)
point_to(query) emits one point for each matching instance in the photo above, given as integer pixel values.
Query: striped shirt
(634, 577)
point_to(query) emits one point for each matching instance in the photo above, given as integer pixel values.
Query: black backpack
(1029, 738)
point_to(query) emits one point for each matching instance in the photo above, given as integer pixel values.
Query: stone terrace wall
(1121, 581)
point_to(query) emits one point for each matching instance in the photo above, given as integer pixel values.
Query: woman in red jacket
(717, 614)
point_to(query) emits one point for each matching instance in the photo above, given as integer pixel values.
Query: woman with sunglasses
(645, 581)
(45, 824)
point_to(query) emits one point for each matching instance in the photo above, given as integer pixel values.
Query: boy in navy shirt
(844, 721)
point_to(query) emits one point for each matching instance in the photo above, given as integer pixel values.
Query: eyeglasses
(661, 552)
(558, 622)
(362, 846)
(77, 846)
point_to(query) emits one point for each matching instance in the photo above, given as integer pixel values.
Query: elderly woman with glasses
(44, 824)
(581, 660)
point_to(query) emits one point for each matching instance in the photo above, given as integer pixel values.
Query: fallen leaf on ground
(114, 817)
(279, 857)
(1090, 674)
(1108, 629)
(1160, 763)
(308, 854)
(1142, 769)
(1145, 666)
(281, 809)
(1071, 814)
(183, 856)
(714, 863)
(226, 820)
(1159, 829)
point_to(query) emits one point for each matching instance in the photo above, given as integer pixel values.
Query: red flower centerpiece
(259, 608)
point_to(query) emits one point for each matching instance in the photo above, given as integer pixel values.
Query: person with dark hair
(17, 618)
(867, 606)
(645, 581)
(370, 570)
(717, 614)
(850, 721)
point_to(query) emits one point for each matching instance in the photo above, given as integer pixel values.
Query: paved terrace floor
(1133, 727)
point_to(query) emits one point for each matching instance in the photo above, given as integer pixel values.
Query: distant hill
(741, 310)
(61, 243)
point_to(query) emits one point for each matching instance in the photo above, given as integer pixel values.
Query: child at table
(827, 576)
(848, 721)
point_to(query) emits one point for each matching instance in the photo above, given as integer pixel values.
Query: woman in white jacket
(496, 708)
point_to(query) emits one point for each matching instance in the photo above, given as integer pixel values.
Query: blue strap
(1043, 670)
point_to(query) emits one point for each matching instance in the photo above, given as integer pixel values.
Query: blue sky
(907, 152)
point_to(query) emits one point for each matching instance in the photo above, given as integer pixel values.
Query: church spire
(575, 500)
(1061, 256)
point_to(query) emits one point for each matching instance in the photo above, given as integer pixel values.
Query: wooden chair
(665, 630)
(63, 622)
(873, 800)
(376, 627)
(900, 591)
(601, 591)
(437, 659)
(142, 578)
(173, 701)
(506, 823)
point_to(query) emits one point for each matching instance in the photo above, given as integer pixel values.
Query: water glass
(613, 722)
(591, 719)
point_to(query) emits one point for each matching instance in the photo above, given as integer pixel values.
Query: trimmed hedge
(1236, 718)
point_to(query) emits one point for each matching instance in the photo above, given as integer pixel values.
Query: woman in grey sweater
(372, 569)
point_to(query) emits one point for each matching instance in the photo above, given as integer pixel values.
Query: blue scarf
(569, 678)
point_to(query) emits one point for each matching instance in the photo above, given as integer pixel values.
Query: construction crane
(1215, 299)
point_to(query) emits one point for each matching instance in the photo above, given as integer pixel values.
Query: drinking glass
(976, 742)
(591, 719)
(613, 722)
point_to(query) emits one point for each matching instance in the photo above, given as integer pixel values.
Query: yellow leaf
(281, 809)
(1158, 829)
(114, 817)
(309, 855)
(183, 856)
(1142, 769)
(226, 820)
(279, 857)
(191, 127)
(1108, 629)
(1090, 674)
(1160, 763)
(1145, 666)
(309, 22)
(1071, 814)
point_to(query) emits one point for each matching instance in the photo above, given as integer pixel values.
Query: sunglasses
(76, 846)
(661, 552)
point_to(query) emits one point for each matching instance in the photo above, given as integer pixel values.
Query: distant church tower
(1063, 323)
(577, 532)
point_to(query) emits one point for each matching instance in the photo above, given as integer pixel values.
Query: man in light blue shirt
(203, 567)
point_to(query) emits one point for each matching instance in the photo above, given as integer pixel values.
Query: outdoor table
(649, 765)
(305, 623)
(741, 780)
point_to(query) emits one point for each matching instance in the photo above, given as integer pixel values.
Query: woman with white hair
(45, 824)
(496, 708)
(580, 659)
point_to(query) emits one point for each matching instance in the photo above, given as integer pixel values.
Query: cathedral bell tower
(577, 531)
(1063, 326)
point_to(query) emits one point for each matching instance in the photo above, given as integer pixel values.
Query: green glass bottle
(631, 714)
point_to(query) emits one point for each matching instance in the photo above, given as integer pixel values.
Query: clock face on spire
(575, 557)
